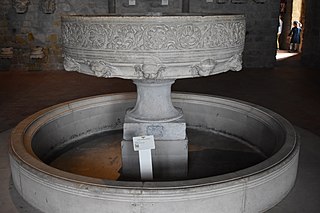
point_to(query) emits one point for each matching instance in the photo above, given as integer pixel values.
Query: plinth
(154, 114)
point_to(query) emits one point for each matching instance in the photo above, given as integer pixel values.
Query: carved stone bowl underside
(153, 47)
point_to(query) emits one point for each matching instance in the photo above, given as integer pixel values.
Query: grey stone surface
(311, 47)
(34, 28)
(262, 22)
(174, 130)
(153, 102)
(153, 47)
(307, 182)
(37, 27)
(254, 189)
(169, 159)
(21, 6)
(154, 114)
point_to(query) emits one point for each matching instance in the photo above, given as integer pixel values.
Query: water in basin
(210, 154)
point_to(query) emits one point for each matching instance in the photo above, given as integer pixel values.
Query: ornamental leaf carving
(71, 64)
(205, 67)
(96, 36)
(73, 34)
(188, 36)
(235, 62)
(158, 37)
(149, 71)
(140, 37)
(101, 68)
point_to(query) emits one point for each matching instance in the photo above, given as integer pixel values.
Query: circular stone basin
(153, 47)
(257, 188)
(210, 154)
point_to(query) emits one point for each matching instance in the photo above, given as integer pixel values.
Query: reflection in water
(210, 154)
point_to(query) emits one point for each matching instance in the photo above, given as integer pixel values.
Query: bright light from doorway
(283, 54)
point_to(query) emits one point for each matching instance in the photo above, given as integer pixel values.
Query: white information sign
(164, 2)
(144, 144)
(132, 2)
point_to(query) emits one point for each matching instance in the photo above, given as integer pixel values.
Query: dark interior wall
(311, 45)
(261, 22)
(286, 27)
(35, 28)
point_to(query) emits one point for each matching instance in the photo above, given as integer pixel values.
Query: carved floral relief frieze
(153, 37)
(152, 48)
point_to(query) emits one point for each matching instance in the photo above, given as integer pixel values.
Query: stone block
(169, 160)
(174, 130)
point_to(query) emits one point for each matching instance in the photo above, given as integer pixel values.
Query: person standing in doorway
(295, 37)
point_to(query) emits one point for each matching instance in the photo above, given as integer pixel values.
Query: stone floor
(289, 89)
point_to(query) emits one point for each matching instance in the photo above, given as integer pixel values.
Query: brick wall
(34, 28)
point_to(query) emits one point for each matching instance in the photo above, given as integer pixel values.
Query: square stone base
(175, 130)
(169, 160)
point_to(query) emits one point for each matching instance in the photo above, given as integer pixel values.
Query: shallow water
(210, 154)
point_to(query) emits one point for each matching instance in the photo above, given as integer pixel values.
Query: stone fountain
(154, 51)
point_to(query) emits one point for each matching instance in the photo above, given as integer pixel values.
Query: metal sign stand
(144, 144)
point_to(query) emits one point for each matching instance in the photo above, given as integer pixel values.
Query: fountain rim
(22, 135)
(156, 16)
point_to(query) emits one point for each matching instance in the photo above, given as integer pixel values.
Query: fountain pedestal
(154, 114)
(153, 51)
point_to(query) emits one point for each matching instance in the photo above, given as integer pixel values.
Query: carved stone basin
(153, 47)
(153, 51)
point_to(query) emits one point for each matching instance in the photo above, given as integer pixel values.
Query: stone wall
(311, 46)
(286, 27)
(262, 23)
(35, 27)
(24, 31)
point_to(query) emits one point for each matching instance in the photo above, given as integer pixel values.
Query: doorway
(289, 11)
